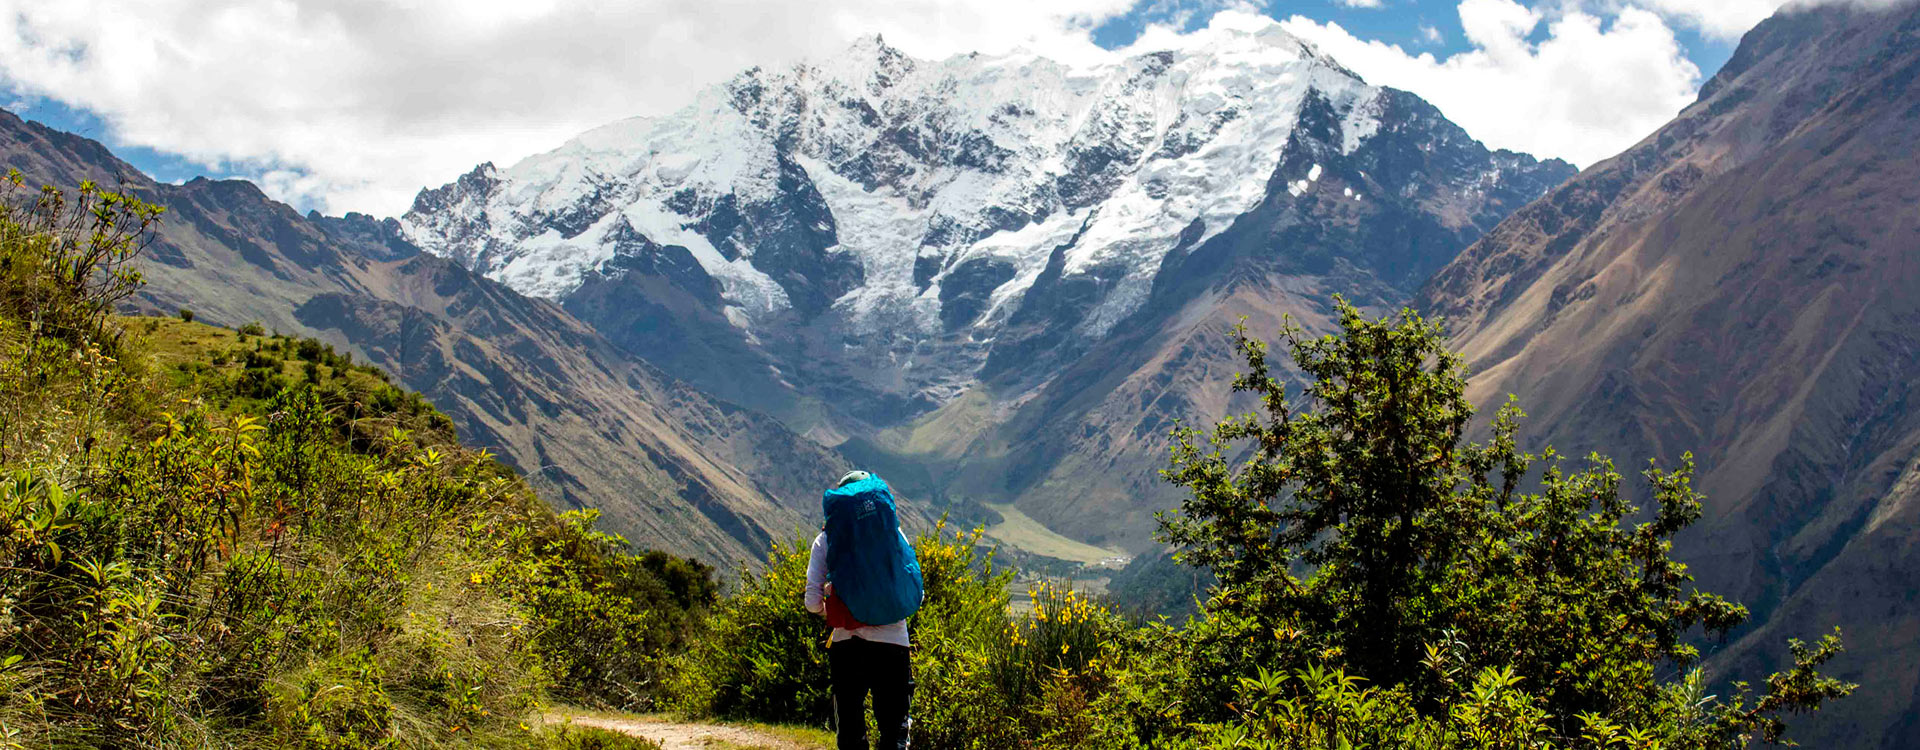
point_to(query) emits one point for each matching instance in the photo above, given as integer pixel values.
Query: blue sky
(1402, 23)
(160, 165)
(355, 106)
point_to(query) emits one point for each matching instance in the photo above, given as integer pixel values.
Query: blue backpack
(873, 569)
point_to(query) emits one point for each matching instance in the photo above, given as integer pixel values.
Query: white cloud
(356, 104)
(1431, 35)
(1370, 4)
(1585, 92)
(1729, 19)
(1724, 19)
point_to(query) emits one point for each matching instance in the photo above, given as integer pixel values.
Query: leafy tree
(1355, 527)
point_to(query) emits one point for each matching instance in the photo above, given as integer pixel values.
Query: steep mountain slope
(1743, 284)
(1006, 259)
(594, 427)
(1085, 450)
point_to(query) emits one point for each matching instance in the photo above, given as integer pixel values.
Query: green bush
(217, 554)
(762, 655)
(603, 621)
(1377, 583)
(964, 652)
(1431, 572)
(984, 679)
(340, 704)
(66, 259)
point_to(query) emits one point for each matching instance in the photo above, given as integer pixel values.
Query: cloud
(355, 104)
(1369, 4)
(1729, 19)
(1586, 91)
(1431, 35)
(1723, 19)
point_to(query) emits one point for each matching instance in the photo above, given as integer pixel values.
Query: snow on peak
(922, 175)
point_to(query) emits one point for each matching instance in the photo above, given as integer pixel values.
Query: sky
(355, 105)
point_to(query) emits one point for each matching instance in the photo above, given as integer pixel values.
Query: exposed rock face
(1743, 285)
(591, 425)
(1011, 274)
(885, 233)
(1083, 451)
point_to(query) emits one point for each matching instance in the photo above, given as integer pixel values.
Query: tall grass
(266, 545)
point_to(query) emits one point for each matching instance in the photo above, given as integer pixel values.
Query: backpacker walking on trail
(864, 577)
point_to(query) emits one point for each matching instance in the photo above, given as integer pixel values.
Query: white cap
(853, 476)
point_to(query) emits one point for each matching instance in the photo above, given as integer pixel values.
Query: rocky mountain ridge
(1002, 278)
(668, 466)
(1742, 285)
(884, 233)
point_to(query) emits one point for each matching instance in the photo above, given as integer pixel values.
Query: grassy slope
(1021, 531)
(170, 368)
(172, 343)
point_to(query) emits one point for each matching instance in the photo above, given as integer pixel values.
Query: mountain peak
(914, 203)
(870, 45)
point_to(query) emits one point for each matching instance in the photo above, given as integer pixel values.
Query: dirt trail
(674, 735)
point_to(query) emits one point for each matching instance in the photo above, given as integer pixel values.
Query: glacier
(920, 165)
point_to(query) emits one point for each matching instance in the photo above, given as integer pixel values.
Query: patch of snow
(750, 290)
(1362, 120)
(926, 162)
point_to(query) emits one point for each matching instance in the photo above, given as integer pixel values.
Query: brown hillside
(1744, 284)
(591, 424)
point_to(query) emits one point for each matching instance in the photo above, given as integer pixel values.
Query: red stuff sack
(838, 616)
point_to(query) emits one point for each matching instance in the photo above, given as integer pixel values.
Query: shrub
(215, 555)
(963, 646)
(339, 704)
(763, 656)
(602, 620)
(984, 679)
(66, 259)
(1428, 563)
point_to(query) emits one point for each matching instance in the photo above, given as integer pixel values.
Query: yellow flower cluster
(1063, 605)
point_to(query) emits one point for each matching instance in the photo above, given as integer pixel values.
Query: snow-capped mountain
(893, 173)
(891, 215)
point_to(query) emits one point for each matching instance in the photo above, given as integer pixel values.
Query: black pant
(861, 666)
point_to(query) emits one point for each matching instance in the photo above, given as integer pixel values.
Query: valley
(1741, 285)
(1002, 282)
(1006, 276)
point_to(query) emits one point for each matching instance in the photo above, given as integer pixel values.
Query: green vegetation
(214, 538)
(210, 538)
(1157, 585)
(1019, 530)
(1377, 582)
(977, 669)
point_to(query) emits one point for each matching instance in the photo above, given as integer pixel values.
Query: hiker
(864, 577)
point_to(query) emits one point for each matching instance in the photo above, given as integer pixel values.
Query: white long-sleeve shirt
(893, 632)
